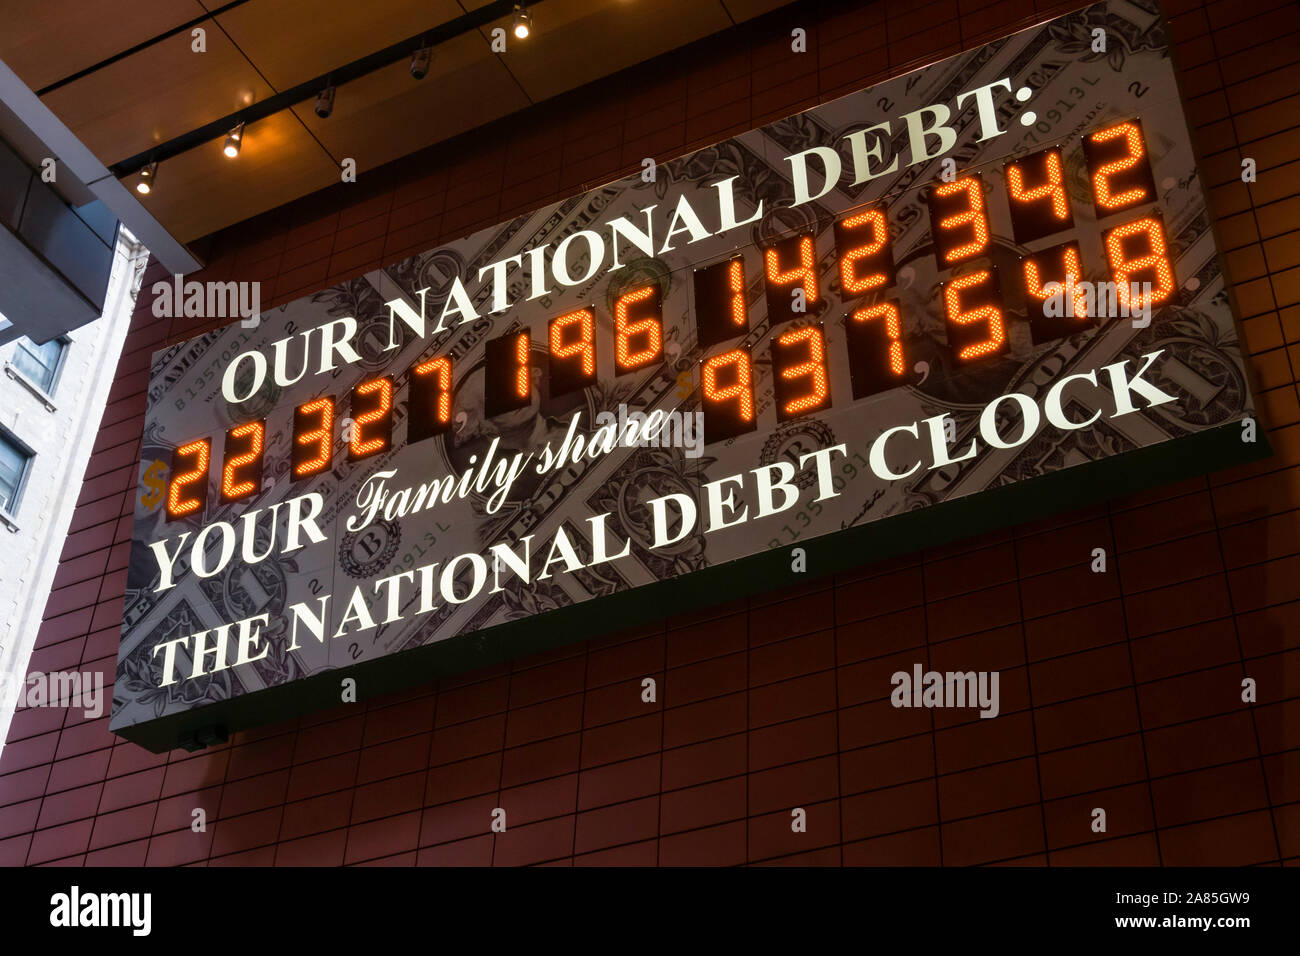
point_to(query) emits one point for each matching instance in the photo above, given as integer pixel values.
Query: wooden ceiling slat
(166, 90)
(291, 41)
(46, 41)
(202, 191)
(571, 45)
(388, 114)
(156, 94)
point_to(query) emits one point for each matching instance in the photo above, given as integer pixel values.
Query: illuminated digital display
(1038, 200)
(973, 308)
(728, 395)
(816, 343)
(313, 437)
(875, 342)
(721, 311)
(188, 491)
(429, 409)
(866, 259)
(802, 384)
(241, 473)
(1118, 168)
(507, 376)
(638, 329)
(1060, 265)
(790, 270)
(874, 329)
(958, 220)
(372, 418)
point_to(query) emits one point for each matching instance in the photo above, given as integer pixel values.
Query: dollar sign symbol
(156, 482)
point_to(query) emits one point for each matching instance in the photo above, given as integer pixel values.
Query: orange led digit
(809, 345)
(242, 473)
(1071, 271)
(313, 448)
(507, 376)
(439, 370)
(1052, 190)
(741, 388)
(736, 286)
(728, 408)
(572, 363)
(1101, 178)
(1155, 264)
(1119, 168)
(372, 430)
(1040, 210)
(893, 330)
(782, 279)
(178, 506)
(964, 233)
(1057, 296)
(875, 341)
(721, 311)
(648, 331)
(522, 380)
(583, 345)
(971, 300)
(429, 407)
(804, 274)
(866, 262)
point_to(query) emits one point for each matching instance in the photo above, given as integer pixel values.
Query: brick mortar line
(1038, 661)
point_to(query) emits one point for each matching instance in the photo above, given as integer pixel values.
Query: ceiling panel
(46, 41)
(388, 114)
(155, 95)
(166, 90)
(571, 44)
(201, 191)
(292, 41)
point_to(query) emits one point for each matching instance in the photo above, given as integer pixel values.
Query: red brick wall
(1120, 690)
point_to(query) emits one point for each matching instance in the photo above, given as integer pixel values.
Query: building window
(40, 363)
(15, 460)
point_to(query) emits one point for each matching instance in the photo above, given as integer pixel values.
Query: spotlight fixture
(523, 22)
(325, 102)
(147, 176)
(420, 62)
(234, 139)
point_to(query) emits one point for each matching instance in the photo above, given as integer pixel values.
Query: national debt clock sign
(976, 293)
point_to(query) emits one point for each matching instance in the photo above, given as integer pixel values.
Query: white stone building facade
(51, 401)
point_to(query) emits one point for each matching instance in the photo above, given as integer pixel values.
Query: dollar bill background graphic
(1075, 90)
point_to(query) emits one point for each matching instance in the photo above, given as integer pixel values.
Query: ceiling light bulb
(523, 23)
(420, 62)
(147, 176)
(234, 139)
(325, 102)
